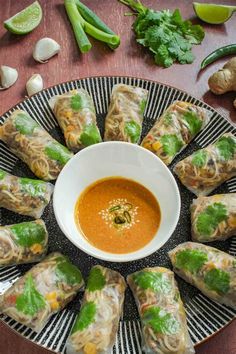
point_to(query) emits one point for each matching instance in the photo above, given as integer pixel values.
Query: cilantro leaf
(28, 233)
(67, 272)
(160, 320)
(58, 152)
(90, 135)
(176, 17)
(199, 158)
(133, 130)
(30, 301)
(163, 57)
(192, 122)
(152, 280)
(171, 144)
(193, 33)
(2, 174)
(209, 219)
(190, 260)
(142, 105)
(96, 280)
(186, 58)
(217, 280)
(86, 317)
(81, 100)
(32, 187)
(25, 124)
(226, 146)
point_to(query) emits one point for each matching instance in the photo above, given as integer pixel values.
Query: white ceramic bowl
(116, 159)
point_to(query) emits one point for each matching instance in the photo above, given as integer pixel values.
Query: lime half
(212, 13)
(26, 20)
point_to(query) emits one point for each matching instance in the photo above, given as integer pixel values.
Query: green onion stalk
(84, 20)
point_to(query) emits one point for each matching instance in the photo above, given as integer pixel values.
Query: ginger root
(224, 80)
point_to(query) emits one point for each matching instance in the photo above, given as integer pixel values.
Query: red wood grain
(129, 59)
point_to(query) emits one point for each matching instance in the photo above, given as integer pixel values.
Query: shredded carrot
(11, 299)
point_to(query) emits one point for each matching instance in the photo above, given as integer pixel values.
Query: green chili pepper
(218, 53)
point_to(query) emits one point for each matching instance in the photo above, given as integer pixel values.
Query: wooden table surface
(129, 59)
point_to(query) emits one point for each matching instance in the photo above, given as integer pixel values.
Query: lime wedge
(212, 13)
(26, 20)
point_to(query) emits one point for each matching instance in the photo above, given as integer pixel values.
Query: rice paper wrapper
(24, 196)
(212, 271)
(96, 325)
(161, 310)
(175, 129)
(75, 113)
(43, 291)
(33, 145)
(213, 218)
(26, 242)
(125, 114)
(207, 168)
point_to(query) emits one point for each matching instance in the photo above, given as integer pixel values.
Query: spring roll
(75, 113)
(177, 126)
(162, 313)
(32, 144)
(207, 168)
(213, 218)
(24, 196)
(26, 242)
(96, 325)
(212, 271)
(44, 290)
(125, 114)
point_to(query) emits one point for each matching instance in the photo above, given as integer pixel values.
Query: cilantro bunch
(165, 34)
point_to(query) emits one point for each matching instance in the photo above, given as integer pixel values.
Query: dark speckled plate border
(204, 316)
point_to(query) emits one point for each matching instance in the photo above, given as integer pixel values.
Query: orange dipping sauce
(117, 215)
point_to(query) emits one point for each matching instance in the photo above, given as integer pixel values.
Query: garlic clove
(44, 49)
(8, 76)
(34, 84)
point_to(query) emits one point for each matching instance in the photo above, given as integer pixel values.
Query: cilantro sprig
(209, 219)
(165, 33)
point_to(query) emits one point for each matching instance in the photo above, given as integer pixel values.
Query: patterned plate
(205, 317)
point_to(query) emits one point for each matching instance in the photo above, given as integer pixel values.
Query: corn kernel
(147, 146)
(51, 296)
(36, 248)
(55, 305)
(90, 348)
(68, 114)
(157, 145)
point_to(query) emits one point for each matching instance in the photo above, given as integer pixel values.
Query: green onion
(77, 23)
(94, 20)
(93, 26)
